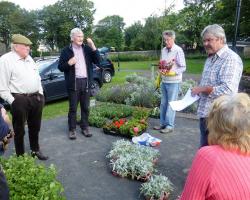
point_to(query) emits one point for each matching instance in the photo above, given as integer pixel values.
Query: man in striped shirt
(221, 74)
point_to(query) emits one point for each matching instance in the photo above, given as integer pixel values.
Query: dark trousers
(27, 108)
(80, 95)
(204, 132)
(4, 190)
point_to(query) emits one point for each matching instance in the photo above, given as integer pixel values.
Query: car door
(54, 83)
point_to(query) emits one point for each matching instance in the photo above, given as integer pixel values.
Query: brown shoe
(39, 155)
(86, 133)
(72, 135)
(159, 127)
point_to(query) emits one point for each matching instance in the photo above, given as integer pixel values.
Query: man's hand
(5, 116)
(197, 90)
(72, 61)
(91, 44)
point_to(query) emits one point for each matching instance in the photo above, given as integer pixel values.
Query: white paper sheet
(187, 100)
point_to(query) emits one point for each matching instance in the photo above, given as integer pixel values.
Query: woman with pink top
(221, 171)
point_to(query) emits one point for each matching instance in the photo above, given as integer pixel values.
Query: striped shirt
(218, 174)
(222, 71)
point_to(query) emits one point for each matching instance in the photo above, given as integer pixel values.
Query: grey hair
(215, 30)
(74, 31)
(169, 33)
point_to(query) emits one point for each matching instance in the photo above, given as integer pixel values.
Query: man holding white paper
(221, 74)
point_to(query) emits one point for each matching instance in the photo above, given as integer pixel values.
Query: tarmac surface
(84, 170)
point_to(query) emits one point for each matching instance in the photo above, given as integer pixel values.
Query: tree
(13, 20)
(133, 36)
(7, 12)
(57, 20)
(109, 32)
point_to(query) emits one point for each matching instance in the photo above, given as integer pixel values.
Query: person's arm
(5, 76)
(180, 62)
(64, 65)
(202, 89)
(95, 55)
(198, 178)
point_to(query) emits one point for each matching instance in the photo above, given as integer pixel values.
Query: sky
(130, 10)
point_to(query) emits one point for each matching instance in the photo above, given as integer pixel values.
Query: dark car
(53, 81)
(108, 68)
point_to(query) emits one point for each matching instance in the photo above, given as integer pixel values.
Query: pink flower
(136, 129)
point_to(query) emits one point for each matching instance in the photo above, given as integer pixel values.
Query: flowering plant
(130, 128)
(166, 66)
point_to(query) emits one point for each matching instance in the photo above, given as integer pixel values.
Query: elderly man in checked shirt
(221, 74)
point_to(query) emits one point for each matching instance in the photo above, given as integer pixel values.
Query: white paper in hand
(187, 100)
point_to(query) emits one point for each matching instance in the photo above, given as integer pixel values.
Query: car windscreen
(43, 64)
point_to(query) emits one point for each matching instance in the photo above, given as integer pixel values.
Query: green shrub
(28, 180)
(132, 57)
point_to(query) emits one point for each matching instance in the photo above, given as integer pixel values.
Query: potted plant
(132, 161)
(124, 127)
(157, 188)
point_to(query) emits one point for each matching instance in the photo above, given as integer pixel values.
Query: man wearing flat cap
(20, 86)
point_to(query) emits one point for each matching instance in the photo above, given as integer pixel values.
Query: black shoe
(86, 133)
(39, 155)
(72, 135)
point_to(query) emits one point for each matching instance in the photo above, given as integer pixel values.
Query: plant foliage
(28, 180)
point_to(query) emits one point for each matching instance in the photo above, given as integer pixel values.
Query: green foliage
(132, 57)
(109, 32)
(140, 113)
(13, 20)
(57, 20)
(156, 187)
(28, 180)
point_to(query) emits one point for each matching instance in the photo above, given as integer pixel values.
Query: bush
(132, 57)
(28, 180)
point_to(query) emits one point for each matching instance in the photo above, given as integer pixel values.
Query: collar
(171, 49)
(222, 50)
(74, 46)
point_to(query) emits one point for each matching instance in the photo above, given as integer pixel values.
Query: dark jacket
(69, 71)
(4, 129)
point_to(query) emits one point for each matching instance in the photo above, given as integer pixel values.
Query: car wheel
(94, 89)
(107, 77)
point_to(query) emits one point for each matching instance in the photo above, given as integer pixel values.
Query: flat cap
(20, 39)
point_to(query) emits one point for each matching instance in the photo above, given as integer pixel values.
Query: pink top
(217, 174)
(80, 66)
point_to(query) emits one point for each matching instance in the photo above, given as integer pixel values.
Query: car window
(55, 70)
(43, 64)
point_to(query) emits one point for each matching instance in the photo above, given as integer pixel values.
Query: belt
(26, 94)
